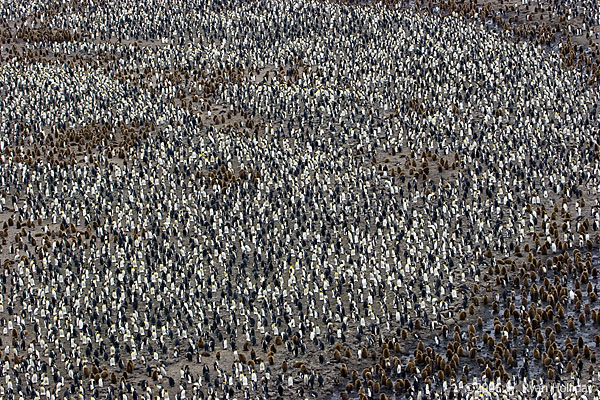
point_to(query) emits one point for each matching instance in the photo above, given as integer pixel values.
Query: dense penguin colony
(278, 200)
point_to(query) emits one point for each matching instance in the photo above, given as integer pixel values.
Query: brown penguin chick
(410, 366)
(455, 361)
(589, 288)
(154, 374)
(473, 353)
(569, 354)
(441, 362)
(551, 346)
(449, 351)
(516, 315)
(376, 387)
(218, 355)
(386, 353)
(398, 385)
(388, 383)
(546, 361)
(497, 329)
(479, 322)
(472, 330)
(272, 360)
(538, 336)
(498, 375)
(337, 356)
(440, 375)
(363, 352)
(495, 306)
(557, 327)
(86, 371)
(344, 371)
(586, 351)
(488, 372)
(397, 348)
(113, 378)
(349, 387)
(448, 370)
(284, 366)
